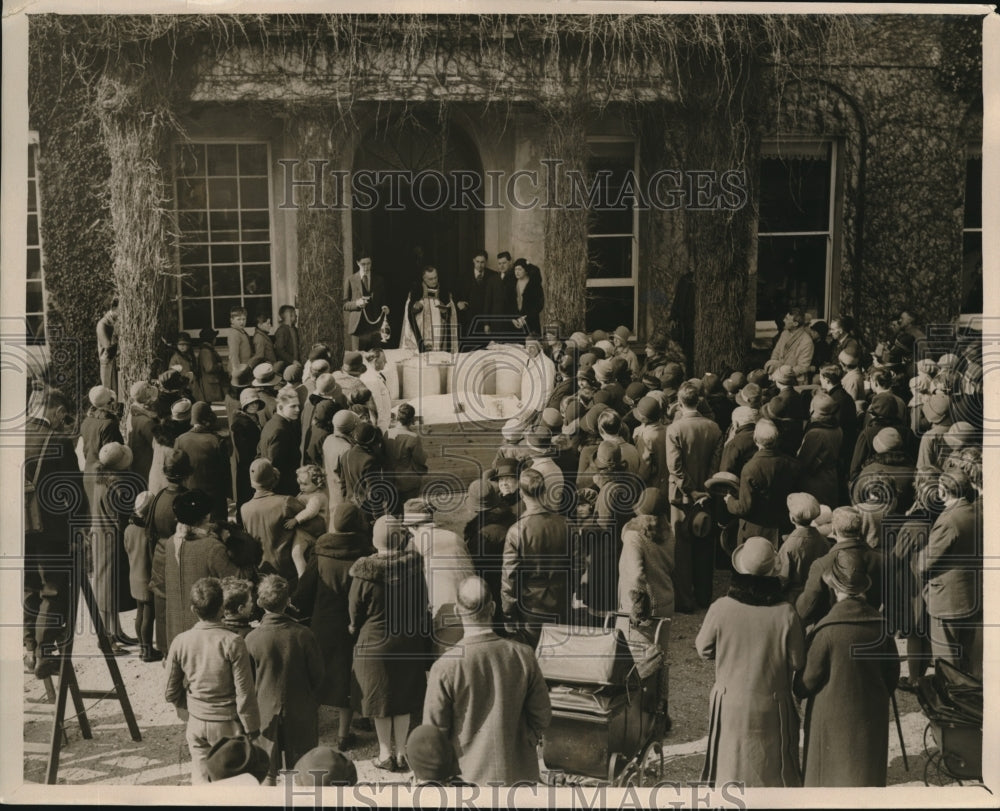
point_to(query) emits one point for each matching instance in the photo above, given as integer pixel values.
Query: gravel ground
(161, 758)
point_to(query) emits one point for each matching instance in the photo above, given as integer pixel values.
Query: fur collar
(393, 568)
(756, 590)
(647, 527)
(851, 611)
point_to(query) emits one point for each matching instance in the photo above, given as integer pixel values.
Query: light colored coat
(447, 563)
(489, 697)
(381, 402)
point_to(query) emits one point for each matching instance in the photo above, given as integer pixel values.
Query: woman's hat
(176, 465)
(735, 382)
(635, 391)
(960, 434)
(192, 506)
(208, 334)
(936, 407)
(624, 333)
(364, 433)
(263, 475)
(324, 411)
(552, 419)
(324, 766)
(144, 393)
(115, 456)
(230, 757)
(100, 396)
(202, 414)
(512, 430)
(824, 521)
(608, 456)
(353, 362)
(849, 573)
(647, 408)
(249, 397)
(183, 338)
(507, 467)
(888, 439)
(756, 557)
(180, 411)
(603, 371)
(263, 375)
(750, 396)
(319, 351)
(803, 508)
(327, 386)
(345, 421)
(293, 373)
(347, 518)
(482, 496)
(142, 502)
(722, 483)
(589, 420)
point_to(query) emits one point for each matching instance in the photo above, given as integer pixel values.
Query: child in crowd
(182, 359)
(513, 446)
(138, 576)
(289, 668)
(803, 546)
(620, 338)
(209, 679)
(312, 521)
(237, 605)
(238, 341)
(263, 345)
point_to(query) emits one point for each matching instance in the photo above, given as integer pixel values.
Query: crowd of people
(274, 529)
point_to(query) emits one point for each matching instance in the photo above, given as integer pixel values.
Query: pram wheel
(646, 770)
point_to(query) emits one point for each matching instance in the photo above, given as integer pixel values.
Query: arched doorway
(402, 234)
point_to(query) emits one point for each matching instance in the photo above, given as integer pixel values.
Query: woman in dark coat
(757, 642)
(485, 535)
(847, 716)
(820, 451)
(210, 371)
(322, 596)
(244, 431)
(529, 297)
(388, 610)
(142, 419)
(99, 428)
(209, 454)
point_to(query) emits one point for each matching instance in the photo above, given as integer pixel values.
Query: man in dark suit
(364, 302)
(952, 566)
(50, 577)
(505, 305)
(476, 298)
(280, 440)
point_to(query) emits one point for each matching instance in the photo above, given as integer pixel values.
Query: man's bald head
(474, 600)
(765, 435)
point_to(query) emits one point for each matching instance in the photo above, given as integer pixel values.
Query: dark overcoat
(323, 597)
(288, 671)
(485, 535)
(280, 441)
(244, 431)
(816, 598)
(847, 716)
(388, 609)
(209, 455)
(819, 456)
(140, 440)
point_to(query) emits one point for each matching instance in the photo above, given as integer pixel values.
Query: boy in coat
(209, 679)
(288, 668)
(803, 546)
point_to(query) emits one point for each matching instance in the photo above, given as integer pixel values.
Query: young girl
(311, 522)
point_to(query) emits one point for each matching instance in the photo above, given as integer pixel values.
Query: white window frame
(768, 329)
(33, 144)
(633, 280)
(224, 330)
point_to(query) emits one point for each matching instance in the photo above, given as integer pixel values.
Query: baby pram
(953, 703)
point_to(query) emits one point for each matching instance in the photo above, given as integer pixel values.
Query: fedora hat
(848, 573)
(540, 438)
(264, 375)
(208, 334)
(699, 520)
(263, 475)
(327, 386)
(191, 506)
(241, 377)
(512, 430)
(822, 406)
(722, 483)
(230, 757)
(353, 362)
(180, 411)
(756, 557)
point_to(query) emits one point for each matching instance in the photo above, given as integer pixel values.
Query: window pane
(33, 298)
(32, 203)
(254, 220)
(253, 159)
(610, 307)
(34, 270)
(197, 314)
(791, 272)
(221, 159)
(36, 330)
(222, 193)
(794, 195)
(256, 253)
(225, 254)
(195, 281)
(194, 255)
(607, 169)
(256, 279)
(253, 193)
(221, 308)
(226, 281)
(225, 226)
(257, 304)
(190, 160)
(974, 194)
(609, 258)
(31, 160)
(972, 272)
(193, 226)
(191, 194)
(32, 229)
